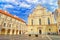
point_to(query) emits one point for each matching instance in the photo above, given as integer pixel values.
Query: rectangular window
(39, 21)
(32, 22)
(4, 24)
(10, 25)
(48, 21)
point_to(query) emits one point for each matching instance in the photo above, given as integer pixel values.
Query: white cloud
(10, 1)
(51, 3)
(53, 8)
(43, 1)
(15, 2)
(8, 6)
(23, 4)
(32, 1)
(15, 16)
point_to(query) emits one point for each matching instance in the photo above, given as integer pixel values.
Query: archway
(8, 31)
(20, 32)
(40, 31)
(3, 31)
(16, 31)
(13, 32)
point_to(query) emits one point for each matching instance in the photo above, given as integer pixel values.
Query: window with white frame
(48, 21)
(32, 21)
(10, 25)
(4, 24)
(39, 21)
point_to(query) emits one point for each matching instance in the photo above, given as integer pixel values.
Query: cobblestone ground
(54, 37)
(27, 37)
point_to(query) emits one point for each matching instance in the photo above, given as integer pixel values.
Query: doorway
(3, 31)
(40, 32)
(8, 31)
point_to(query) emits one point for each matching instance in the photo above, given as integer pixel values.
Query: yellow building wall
(53, 28)
(41, 13)
(13, 26)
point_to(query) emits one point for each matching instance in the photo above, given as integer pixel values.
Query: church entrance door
(40, 31)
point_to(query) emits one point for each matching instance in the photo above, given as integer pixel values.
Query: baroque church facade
(41, 21)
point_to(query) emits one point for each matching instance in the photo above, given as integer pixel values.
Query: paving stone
(26, 37)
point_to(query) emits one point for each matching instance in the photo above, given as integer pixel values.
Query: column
(6, 32)
(21, 32)
(10, 32)
(0, 31)
(14, 32)
(58, 27)
(18, 32)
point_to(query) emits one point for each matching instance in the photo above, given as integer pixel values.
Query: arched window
(32, 21)
(48, 21)
(39, 21)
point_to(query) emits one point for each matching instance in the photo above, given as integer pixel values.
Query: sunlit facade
(11, 25)
(41, 21)
(57, 16)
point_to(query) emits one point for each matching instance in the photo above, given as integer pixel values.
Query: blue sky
(22, 8)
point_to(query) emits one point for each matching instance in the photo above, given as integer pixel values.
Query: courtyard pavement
(54, 37)
(27, 37)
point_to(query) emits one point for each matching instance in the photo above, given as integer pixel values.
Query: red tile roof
(8, 14)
